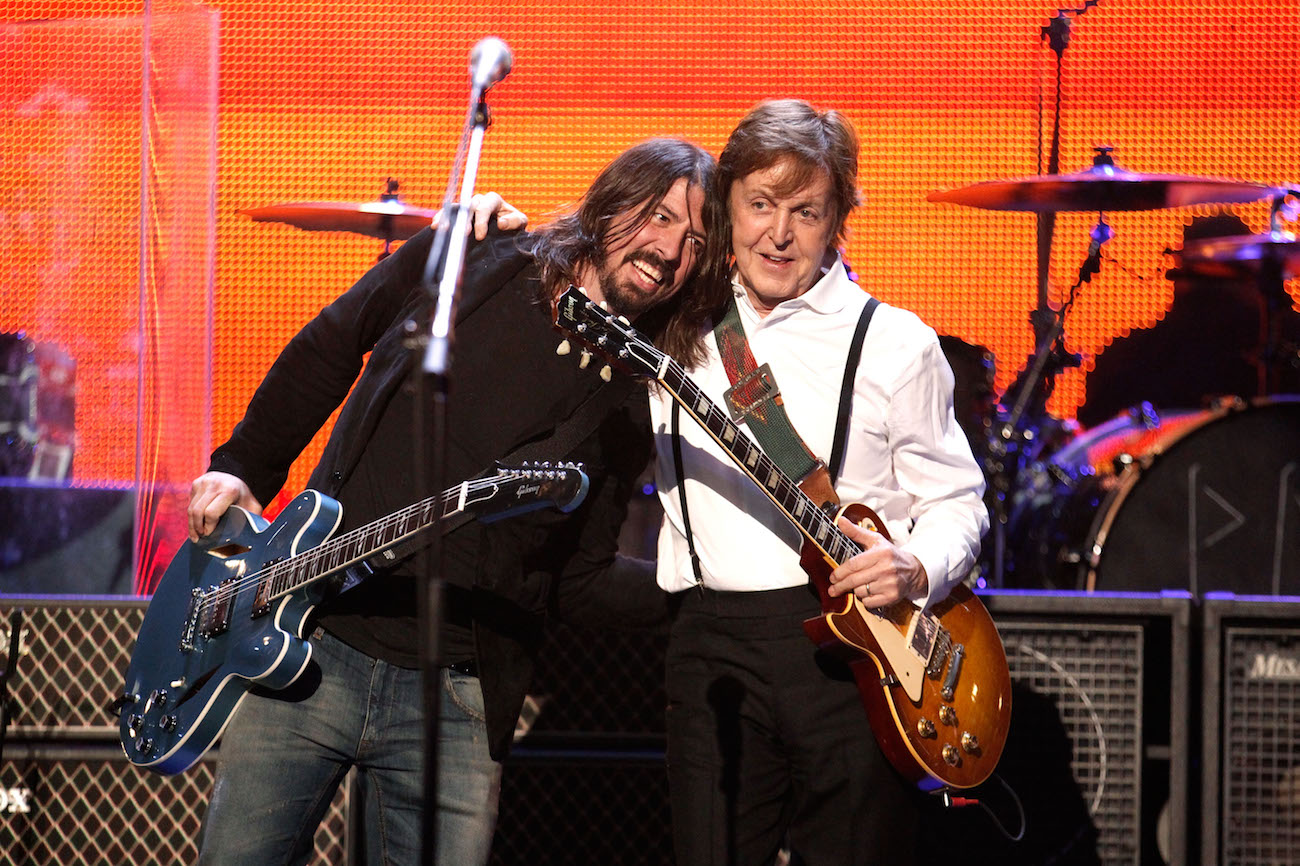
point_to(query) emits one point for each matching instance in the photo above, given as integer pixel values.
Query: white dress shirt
(905, 458)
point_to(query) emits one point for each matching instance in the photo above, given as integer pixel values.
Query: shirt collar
(824, 297)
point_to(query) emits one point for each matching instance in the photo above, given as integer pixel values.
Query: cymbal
(386, 219)
(1104, 187)
(1233, 255)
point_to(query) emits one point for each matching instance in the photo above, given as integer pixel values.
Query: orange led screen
(326, 101)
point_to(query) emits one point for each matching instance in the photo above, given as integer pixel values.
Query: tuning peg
(603, 305)
(564, 348)
(584, 359)
(624, 320)
(582, 289)
(606, 373)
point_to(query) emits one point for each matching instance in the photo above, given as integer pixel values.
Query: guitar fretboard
(347, 550)
(812, 520)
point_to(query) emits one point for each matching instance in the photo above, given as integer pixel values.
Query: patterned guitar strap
(755, 399)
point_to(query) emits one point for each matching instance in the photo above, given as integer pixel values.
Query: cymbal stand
(386, 221)
(1012, 438)
(1271, 282)
(1006, 440)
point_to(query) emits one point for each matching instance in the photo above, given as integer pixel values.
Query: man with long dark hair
(635, 241)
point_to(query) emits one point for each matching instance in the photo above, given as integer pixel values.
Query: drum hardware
(1270, 258)
(388, 219)
(1104, 186)
(1019, 479)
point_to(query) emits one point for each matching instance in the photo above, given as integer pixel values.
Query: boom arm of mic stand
(437, 354)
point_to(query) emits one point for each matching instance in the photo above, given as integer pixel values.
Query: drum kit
(1067, 508)
(1199, 499)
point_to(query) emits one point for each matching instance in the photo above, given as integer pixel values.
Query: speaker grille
(601, 681)
(1094, 673)
(72, 658)
(91, 809)
(583, 808)
(1261, 745)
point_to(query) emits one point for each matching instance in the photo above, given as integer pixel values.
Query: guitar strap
(755, 396)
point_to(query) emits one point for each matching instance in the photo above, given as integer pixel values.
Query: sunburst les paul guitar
(230, 610)
(935, 683)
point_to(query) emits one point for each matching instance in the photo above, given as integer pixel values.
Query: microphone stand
(1006, 442)
(447, 253)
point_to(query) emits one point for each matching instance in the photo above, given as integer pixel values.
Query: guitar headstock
(610, 336)
(516, 489)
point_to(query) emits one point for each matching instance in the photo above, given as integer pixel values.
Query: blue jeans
(285, 753)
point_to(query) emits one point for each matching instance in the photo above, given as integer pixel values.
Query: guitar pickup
(215, 618)
(262, 600)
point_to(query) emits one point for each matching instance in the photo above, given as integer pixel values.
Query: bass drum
(1205, 501)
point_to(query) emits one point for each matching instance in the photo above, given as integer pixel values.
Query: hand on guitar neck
(881, 574)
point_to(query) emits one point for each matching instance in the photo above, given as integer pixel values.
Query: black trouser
(769, 744)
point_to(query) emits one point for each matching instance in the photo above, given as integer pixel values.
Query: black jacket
(508, 387)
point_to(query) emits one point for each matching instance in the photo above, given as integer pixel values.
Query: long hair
(635, 183)
(779, 129)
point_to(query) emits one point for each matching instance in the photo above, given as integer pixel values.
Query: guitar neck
(813, 521)
(360, 544)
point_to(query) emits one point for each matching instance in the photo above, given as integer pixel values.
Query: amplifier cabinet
(1098, 748)
(574, 806)
(72, 660)
(1251, 750)
(86, 805)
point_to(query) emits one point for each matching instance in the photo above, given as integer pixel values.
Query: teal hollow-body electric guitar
(230, 610)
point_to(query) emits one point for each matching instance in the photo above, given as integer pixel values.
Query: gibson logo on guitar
(935, 683)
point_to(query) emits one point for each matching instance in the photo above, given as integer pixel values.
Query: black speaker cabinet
(567, 807)
(601, 684)
(1097, 754)
(72, 657)
(1251, 750)
(85, 805)
(68, 796)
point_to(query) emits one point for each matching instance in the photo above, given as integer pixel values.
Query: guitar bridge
(191, 620)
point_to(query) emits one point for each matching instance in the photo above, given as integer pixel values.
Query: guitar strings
(226, 592)
(839, 547)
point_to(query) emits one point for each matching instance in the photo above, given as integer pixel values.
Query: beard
(625, 298)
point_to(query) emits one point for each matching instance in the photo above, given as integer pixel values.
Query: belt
(468, 668)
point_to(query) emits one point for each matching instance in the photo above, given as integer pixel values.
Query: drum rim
(1108, 510)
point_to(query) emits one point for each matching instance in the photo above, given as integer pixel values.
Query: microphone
(489, 62)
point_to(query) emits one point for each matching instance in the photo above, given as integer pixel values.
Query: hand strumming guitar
(210, 495)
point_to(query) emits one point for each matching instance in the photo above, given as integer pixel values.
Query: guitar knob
(947, 715)
(951, 756)
(167, 723)
(970, 742)
(925, 728)
(144, 745)
(133, 725)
